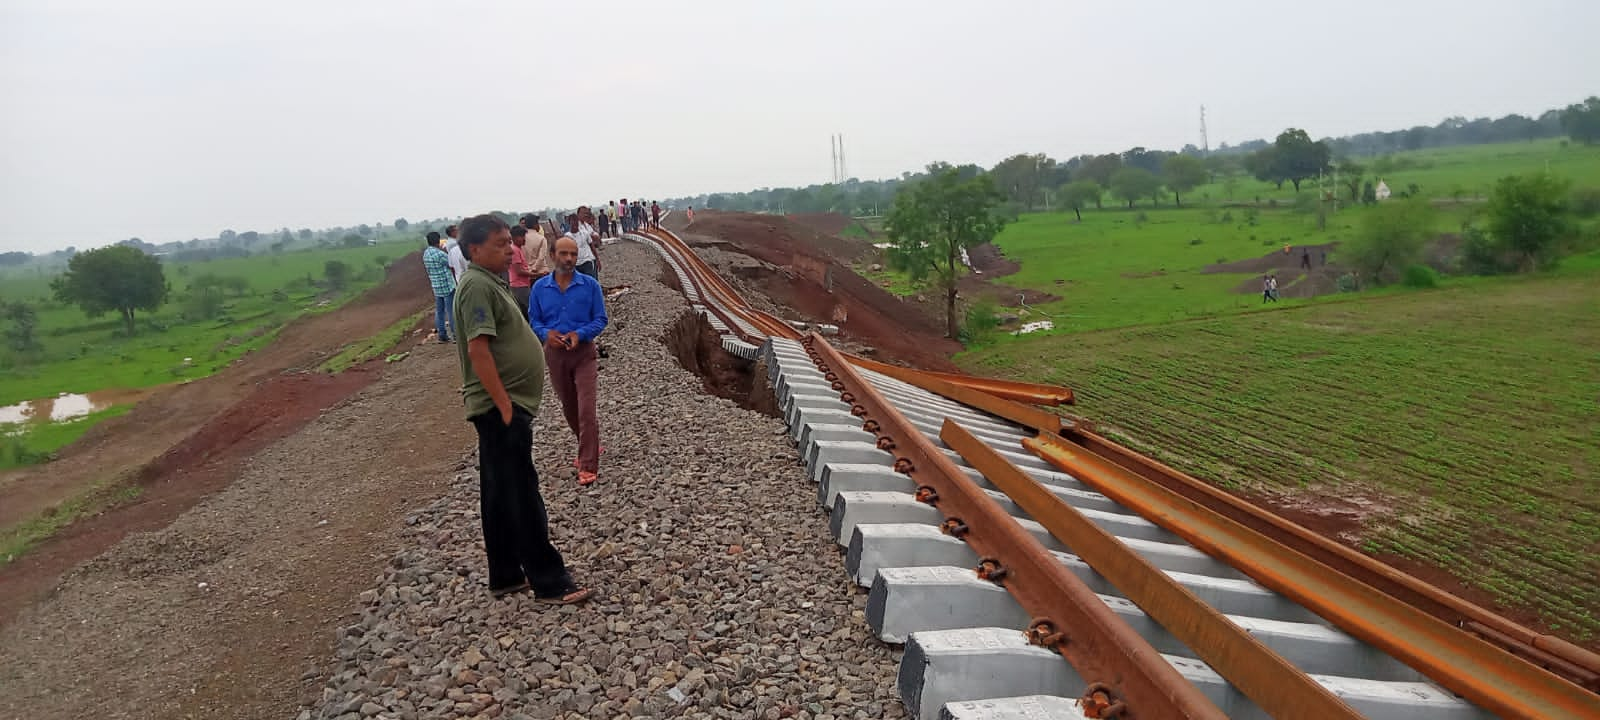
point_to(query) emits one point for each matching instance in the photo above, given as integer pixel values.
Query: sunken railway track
(1034, 569)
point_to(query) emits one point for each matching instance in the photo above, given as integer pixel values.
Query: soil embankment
(808, 273)
(186, 441)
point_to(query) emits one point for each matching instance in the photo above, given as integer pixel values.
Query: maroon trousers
(573, 375)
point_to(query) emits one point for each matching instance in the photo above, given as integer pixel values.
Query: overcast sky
(174, 119)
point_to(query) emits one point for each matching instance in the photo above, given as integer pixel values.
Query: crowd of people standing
(521, 305)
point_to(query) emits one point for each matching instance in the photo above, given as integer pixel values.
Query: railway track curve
(1034, 569)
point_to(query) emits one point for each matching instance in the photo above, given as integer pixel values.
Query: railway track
(1034, 569)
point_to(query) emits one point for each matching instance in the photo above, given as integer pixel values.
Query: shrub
(1419, 276)
(1347, 283)
(979, 325)
(1227, 216)
(1196, 241)
(1586, 202)
(1141, 218)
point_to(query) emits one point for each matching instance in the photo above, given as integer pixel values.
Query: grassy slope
(1466, 415)
(83, 355)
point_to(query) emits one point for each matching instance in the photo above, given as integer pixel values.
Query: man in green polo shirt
(502, 377)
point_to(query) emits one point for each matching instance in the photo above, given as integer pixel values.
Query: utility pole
(1205, 144)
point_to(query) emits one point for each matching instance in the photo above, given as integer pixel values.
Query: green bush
(1196, 241)
(1347, 283)
(980, 324)
(1586, 202)
(1419, 276)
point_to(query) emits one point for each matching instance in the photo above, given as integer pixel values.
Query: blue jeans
(443, 306)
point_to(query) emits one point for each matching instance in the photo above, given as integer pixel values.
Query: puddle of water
(69, 406)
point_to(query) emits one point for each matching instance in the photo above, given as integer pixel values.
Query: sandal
(510, 589)
(572, 597)
(585, 479)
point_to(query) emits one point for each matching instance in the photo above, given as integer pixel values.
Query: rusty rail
(1277, 687)
(1107, 654)
(1554, 654)
(1503, 685)
(1473, 668)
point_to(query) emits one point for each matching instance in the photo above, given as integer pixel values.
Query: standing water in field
(69, 406)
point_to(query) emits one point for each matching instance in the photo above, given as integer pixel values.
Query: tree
(1021, 177)
(21, 336)
(1298, 158)
(1350, 173)
(227, 237)
(1391, 237)
(1133, 184)
(1529, 215)
(1100, 169)
(119, 278)
(401, 224)
(1581, 122)
(1078, 194)
(337, 274)
(1263, 165)
(14, 258)
(353, 240)
(933, 220)
(305, 233)
(364, 229)
(1183, 173)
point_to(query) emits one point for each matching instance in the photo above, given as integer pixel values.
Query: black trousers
(516, 531)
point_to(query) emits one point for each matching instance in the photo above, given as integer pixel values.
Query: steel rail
(1026, 392)
(1479, 671)
(1563, 658)
(1133, 679)
(1276, 686)
(1558, 656)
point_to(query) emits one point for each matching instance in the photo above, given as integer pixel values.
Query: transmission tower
(844, 170)
(1205, 144)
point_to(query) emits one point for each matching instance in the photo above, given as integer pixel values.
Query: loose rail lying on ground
(1120, 671)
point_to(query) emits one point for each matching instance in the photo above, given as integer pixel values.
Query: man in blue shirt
(443, 280)
(567, 311)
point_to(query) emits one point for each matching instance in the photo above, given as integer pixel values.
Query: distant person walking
(689, 214)
(437, 262)
(604, 220)
(568, 311)
(537, 250)
(520, 274)
(1268, 293)
(1305, 258)
(458, 259)
(655, 215)
(502, 376)
(582, 235)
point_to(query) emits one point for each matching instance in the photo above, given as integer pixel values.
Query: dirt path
(228, 612)
(187, 441)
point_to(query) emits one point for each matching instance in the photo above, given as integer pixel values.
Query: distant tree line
(1033, 181)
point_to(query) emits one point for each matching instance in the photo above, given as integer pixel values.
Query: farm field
(1457, 427)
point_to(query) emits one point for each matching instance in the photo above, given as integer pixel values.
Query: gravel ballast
(718, 590)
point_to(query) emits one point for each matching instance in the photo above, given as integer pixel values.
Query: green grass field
(81, 355)
(1459, 425)
(1466, 417)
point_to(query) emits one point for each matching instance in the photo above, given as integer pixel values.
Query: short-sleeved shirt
(582, 236)
(458, 261)
(484, 307)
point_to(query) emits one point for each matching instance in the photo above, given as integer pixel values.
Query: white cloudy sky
(173, 119)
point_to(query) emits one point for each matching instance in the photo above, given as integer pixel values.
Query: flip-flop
(572, 598)
(585, 479)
